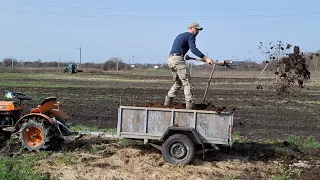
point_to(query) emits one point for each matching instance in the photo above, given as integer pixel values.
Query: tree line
(116, 63)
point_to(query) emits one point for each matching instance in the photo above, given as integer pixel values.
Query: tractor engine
(10, 112)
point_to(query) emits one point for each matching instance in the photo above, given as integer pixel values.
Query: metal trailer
(179, 134)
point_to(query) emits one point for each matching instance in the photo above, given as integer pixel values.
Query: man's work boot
(189, 105)
(168, 101)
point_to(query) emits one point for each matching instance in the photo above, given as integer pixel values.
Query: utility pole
(59, 61)
(117, 63)
(132, 60)
(80, 55)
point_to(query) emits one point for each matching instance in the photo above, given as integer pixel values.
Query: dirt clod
(201, 106)
(291, 67)
(259, 86)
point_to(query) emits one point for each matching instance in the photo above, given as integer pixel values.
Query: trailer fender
(30, 116)
(188, 131)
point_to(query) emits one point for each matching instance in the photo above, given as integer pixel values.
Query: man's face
(195, 31)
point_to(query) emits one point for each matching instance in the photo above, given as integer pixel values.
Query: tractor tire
(178, 149)
(33, 135)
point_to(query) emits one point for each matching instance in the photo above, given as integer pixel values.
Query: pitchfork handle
(205, 92)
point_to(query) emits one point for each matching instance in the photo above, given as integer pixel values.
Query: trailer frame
(206, 129)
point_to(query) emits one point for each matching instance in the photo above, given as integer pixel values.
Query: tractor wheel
(33, 135)
(178, 149)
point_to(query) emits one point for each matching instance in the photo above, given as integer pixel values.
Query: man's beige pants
(181, 77)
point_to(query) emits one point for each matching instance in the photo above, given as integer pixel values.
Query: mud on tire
(178, 149)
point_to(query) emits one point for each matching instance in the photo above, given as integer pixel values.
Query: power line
(157, 17)
(175, 10)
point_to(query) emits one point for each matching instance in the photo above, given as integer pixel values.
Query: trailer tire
(178, 149)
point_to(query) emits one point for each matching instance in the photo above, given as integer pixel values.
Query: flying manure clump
(294, 71)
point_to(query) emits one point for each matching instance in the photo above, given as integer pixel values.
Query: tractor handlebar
(19, 96)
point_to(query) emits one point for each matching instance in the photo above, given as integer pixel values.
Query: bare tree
(112, 64)
(7, 62)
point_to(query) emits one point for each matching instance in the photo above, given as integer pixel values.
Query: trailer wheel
(33, 135)
(178, 149)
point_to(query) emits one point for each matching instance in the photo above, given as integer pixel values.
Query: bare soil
(260, 115)
(199, 106)
(111, 161)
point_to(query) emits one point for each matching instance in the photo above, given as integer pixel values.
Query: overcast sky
(142, 31)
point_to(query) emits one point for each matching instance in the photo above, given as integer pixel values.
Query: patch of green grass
(65, 159)
(304, 143)
(229, 177)
(42, 154)
(269, 141)
(49, 80)
(278, 177)
(284, 174)
(95, 149)
(92, 129)
(237, 138)
(98, 148)
(46, 84)
(307, 102)
(158, 72)
(129, 142)
(21, 167)
(14, 139)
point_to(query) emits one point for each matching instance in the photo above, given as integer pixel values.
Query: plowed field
(260, 115)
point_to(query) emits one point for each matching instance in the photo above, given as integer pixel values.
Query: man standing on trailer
(178, 66)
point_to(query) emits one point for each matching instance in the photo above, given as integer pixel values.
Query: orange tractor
(43, 127)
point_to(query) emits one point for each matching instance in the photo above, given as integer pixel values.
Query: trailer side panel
(151, 123)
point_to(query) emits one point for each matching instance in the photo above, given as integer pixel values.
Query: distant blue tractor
(71, 68)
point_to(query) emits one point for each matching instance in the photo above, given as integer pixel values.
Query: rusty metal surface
(151, 123)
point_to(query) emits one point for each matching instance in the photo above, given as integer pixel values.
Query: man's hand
(208, 60)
